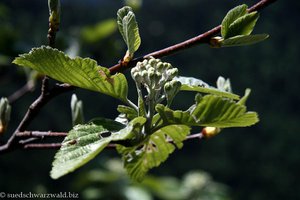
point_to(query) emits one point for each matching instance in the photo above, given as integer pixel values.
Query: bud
(209, 132)
(153, 61)
(5, 110)
(224, 84)
(171, 73)
(171, 88)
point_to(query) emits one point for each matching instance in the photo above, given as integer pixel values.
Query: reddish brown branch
(200, 39)
(40, 134)
(58, 145)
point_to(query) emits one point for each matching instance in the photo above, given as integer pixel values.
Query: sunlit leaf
(197, 85)
(138, 160)
(84, 142)
(80, 72)
(243, 25)
(211, 111)
(128, 28)
(230, 17)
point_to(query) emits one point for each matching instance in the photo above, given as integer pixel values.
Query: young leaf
(241, 40)
(80, 72)
(230, 17)
(243, 25)
(197, 85)
(84, 142)
(129, 29)
(138, 160)
(211, 111)
(128, 111)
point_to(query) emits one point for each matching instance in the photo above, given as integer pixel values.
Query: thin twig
(28, 87)
(34, 109)
(58, 145)
(40, 134)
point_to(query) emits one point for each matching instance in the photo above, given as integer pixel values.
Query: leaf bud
(209, 132)
(5, 110)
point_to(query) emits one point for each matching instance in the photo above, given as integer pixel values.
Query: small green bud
(5, 110)
(167, 65)
(148, 66)
(171, 73)
(160, 66)
(171, 88)
(152, 61)
(144, 62)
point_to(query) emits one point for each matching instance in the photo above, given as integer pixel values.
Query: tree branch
(200, 39)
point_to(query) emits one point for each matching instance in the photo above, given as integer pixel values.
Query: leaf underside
(128, 28)
(80, 72)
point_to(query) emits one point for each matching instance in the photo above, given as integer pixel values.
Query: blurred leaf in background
(112, 183)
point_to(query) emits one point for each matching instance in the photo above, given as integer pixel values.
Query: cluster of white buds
(153, 73)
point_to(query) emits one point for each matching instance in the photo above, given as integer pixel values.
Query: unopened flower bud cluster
(153, 74)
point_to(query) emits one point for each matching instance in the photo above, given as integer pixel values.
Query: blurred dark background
(256, 163)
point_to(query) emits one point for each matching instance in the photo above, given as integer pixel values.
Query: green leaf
(241, 40)
(138, 160)
(84, 142)
(128, 28)
(128, 111)
(212, 111)
(80, 72)
(197, 85)
(95, 33)
(230, 17)
(222, 113)
(243, 25)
